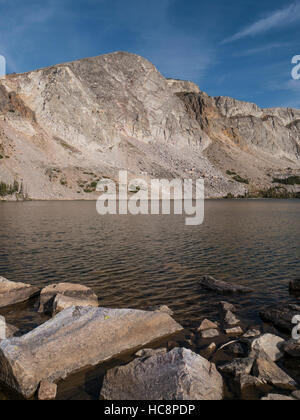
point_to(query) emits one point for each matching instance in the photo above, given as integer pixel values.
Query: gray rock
(177, 375)
(269, 344)
(12, 293)
(47, 391)
(237, 367)
(222, 287)
(78, 292)
(75, 339)
(269, 373)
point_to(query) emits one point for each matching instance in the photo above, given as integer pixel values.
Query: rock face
(12, 293)
(56, 297)
(222, 287)
(75, 339)
(177, 375)
(64, 127)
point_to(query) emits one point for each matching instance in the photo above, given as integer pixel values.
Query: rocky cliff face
(65, 127)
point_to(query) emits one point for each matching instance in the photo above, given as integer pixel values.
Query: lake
(142, 261)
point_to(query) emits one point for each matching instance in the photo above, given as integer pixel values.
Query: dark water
(141, 261)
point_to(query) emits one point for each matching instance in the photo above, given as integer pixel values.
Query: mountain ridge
(64, 127)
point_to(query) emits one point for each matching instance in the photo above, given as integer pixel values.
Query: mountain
(64, 127)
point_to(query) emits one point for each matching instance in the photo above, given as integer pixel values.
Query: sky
(237, 48)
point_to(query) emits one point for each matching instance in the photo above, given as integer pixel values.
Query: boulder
(75, 339)
(281, 316)
(206, 324)
(292, 348)
(12, 293)
(277, 397)
(77, 292)
(269, 373)
(237, 367)
(62, 302)
(269, 344)
(47, 391)
(177, 375)
(222, 287)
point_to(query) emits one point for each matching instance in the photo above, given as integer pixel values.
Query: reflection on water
(142, 261)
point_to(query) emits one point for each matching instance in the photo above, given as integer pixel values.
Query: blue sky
(238, 48)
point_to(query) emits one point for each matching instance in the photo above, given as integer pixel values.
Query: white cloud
(278, 18)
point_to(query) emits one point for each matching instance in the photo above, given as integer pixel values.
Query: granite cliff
(65, 127)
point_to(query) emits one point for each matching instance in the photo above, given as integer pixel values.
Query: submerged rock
(12, 293)
(295, 286)
(227, 314)
(269, 344)
(177, 375)
(82, 295)
(75, 339)
(281, 316)
(222, 287)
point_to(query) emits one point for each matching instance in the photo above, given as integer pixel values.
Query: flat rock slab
(76, 339)
(62, 302)
(177, 375)
(269, 373)
(223, 287)
(12, 293)
(77, 292)
(281, 316)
